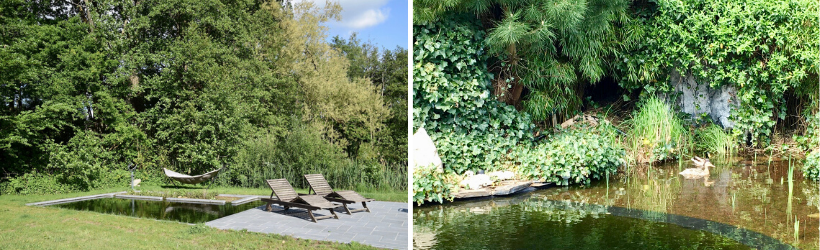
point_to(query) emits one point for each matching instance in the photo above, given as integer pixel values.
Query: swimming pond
(744, 203)
(160, 210)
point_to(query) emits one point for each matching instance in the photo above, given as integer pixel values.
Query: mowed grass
(23, 227)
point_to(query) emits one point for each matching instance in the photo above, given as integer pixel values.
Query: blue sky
(381, 22)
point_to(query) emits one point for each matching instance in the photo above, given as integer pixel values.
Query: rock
(425, 154)
(502, 175)
(476, 181)
(136, 183)
(699, 98)
(588, 119)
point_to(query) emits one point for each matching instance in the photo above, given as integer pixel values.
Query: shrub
(580, 155)
(432, 186)
(302, 151)
(811, 168)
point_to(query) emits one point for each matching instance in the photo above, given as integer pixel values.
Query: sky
(381, 22)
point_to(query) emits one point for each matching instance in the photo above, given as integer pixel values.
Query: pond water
(161, 210)
(743, 204)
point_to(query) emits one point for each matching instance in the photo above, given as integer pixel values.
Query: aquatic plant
(656, 132)
(717, 142)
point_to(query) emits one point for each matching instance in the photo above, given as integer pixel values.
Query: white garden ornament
(425, 154)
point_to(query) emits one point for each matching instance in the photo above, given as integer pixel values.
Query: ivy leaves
(761, 48)
(452, 97)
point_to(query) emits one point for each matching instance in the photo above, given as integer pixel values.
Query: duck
(701, 170)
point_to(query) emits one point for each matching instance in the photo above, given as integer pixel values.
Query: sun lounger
(319, 186)
(287, 197)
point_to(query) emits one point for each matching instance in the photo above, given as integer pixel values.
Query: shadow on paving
(385, 226)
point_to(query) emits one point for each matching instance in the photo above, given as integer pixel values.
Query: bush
(656, 132)
(302, 151)
(432, 186)
(580, 155)
(811, 168)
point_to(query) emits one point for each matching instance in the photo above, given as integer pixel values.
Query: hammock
(187, 179)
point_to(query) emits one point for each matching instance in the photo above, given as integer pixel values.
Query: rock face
(425, 154)
(698, 98)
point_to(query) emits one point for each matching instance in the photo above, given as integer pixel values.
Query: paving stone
(385, 226)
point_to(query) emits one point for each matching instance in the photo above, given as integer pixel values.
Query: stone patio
(385, 226)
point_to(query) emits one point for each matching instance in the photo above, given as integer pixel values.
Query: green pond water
(160, 210)
(742, 205)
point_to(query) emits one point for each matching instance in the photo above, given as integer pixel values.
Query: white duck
(701, 170)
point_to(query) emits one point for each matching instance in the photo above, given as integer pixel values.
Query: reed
(656, 132)
(714, 140)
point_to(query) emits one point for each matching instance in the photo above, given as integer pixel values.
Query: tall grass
(715, 141)
(304, 151)
(656, 133)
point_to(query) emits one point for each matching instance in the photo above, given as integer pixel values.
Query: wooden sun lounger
(319, 186)
(287, 197)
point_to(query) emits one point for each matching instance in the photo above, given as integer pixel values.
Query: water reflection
(742, 200)
(183, 212)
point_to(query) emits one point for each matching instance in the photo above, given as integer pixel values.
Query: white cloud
(359, 14)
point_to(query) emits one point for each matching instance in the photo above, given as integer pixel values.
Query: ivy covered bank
(501, 85)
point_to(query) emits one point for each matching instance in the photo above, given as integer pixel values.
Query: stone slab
(372, 228)
(69, 200)
(195, 201)
(245, 200)
(138, 197)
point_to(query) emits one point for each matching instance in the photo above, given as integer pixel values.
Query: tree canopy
(89, 86)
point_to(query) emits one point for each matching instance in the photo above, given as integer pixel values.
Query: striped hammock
(187, 179)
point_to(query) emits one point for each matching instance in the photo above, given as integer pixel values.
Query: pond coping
(138, 197)
(195, 201)
(122, 195)
(69, 200)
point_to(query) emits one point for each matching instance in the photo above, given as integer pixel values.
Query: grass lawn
(23, 227)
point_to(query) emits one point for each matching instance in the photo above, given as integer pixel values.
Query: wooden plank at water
(511, 188)
(505, 188)
(473, 193)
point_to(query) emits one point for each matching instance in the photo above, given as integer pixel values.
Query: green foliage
(174, 193)
(714, 140)
(656, 133)
(304, 151)
(452, 98)
(553, 48)
(761, 48)
(387, 70)
(431, 186)
(811, 138)
(811, 167)
(579, 155)
(184, 85)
